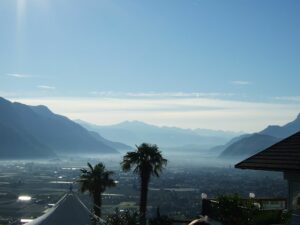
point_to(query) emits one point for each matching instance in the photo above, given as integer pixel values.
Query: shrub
(233, 210)
(160, 220)
(272, 217)
(123, 218)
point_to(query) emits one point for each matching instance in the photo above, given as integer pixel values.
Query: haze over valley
(168, 112)
(36, 132)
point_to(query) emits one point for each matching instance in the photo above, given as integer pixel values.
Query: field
(177, 192)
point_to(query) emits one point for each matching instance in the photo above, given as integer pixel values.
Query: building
(69, 210)
(283, 156)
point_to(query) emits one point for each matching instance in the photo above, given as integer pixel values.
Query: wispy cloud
(241, 82)
(46, 87)
(288, 98)
(160, 94)
(19, 75)
(202, 112)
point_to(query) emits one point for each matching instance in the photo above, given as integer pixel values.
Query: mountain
(249, 145)
(19, 144)
(114, 144)
(217, 133)
(283, 131)
(217, 150)
(136, 132)
(26, 130)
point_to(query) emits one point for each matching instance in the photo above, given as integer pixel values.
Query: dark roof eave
(266, 168)
(265, 160)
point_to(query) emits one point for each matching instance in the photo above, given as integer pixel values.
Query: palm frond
(145, 159)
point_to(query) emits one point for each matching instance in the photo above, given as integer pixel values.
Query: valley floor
(177, 192)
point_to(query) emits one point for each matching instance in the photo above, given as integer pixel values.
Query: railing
(263, 203)
(265, 206)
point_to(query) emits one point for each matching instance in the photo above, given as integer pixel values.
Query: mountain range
(135, 132)
(250, 144)
(36, 132)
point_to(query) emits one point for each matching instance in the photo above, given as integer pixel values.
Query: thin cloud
(288, 98)
(241, 82)
(159, 94)
(46, 87)
(18, 75)
(212, 113)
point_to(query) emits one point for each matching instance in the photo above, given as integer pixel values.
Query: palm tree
(146, 161)
(95, 180)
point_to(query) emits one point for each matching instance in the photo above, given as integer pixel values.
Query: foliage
(160, 220)
(95, 180)
(122, 218)
(267, 217)
(146, 161)
(233, 210)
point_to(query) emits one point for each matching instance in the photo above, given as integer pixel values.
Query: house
(283, 156)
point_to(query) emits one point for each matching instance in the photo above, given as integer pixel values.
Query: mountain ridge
(135, 132)
(49, 132)
(252, 144)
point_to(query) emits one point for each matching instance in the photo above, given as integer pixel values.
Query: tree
(146, 161)
(95, 180)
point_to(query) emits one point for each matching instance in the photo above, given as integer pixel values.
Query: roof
(282, 156)
(69, 210)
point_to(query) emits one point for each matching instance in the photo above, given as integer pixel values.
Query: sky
(229, 65)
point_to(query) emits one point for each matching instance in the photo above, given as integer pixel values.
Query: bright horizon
(231, 65)
(206, 113)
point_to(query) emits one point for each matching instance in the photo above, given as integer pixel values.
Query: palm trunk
(97, 204)
(143, 199)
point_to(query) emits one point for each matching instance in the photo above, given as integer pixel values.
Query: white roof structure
(69, 210)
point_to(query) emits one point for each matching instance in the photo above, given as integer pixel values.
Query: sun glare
(24, 198)
(21, 7)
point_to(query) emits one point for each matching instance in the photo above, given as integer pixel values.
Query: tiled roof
(282, 156)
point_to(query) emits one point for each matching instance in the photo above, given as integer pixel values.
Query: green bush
(233, 210)
(160, 220)
(123, 218)
(272, 217)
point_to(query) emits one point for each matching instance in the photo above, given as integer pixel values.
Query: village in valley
(149, 112)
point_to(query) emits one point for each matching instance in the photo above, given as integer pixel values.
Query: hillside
(249, 145)
(136, 132)
(114, 144)
(283, 131)
(19, 144)
(39, 130)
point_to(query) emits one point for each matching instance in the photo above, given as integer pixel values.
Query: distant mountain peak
(41, 109)
(3, 100)
(250, 145)
(134, 123)
(285, 130)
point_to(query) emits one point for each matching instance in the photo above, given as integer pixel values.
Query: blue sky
(236, 52)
